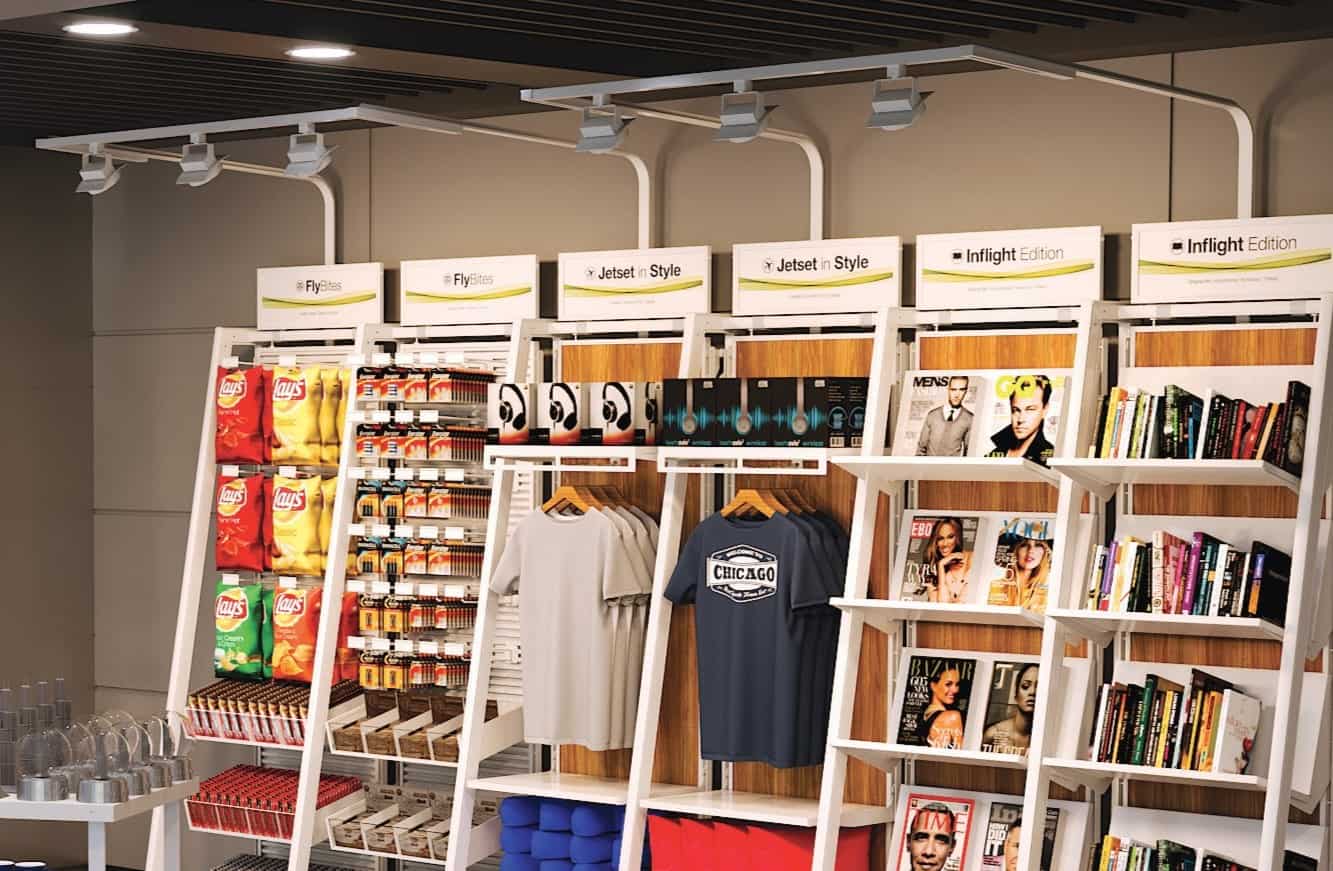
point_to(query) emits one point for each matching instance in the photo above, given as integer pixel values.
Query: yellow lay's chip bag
(328, 491)
(295, 396)
(329, 434)
(297, 509)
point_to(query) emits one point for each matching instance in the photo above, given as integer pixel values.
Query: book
(935, 824)
(1203, 751)
(1298, 862)
(1158, 568)
(1111, 424)
(1270, 582)
(1122, 438)
(1298, 412)
(1270, 419)
(938, 544)
(1103, 405)
(1273, 453)
(1254, 426)
(1242, 414)
(929, 399)
(1191, 578)
(1010, 706)
(936, 695)
(1172, 856)
(1201, 684)
(1021, 563)
(1170, 699)
(1216, 577)
(1237, 725)
(1002, 835)
(1097, 565)
(1152, 685)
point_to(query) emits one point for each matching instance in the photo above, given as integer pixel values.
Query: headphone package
(623, 412)
(796, 408)
(562, 413)
(509, 413)
(688, 412)
(846, 411)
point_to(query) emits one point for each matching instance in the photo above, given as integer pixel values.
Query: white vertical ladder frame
(1304, 586)
(467, 844)
(1078, 424)
(691, 365)
(884, 359)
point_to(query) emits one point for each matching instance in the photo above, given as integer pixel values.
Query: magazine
(1000, 851)
(1024, 419)
(936, 695)
(935, 830)
(939, 566)
(938, 416)
(1009, 708)
(1020, 570)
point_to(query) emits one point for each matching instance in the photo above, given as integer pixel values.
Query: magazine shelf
(757, 808)
(886, 756)
(1099, 775)
(886, 473)
(1102, 626)
(1103, 477)
(886, 614)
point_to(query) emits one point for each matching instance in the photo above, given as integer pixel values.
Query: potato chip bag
(240, 510)
(295, 396)
(239, 405)
(345, 378)
(238, 620)
(297, 509)
(295, 629)
(329, 434)
(328, 490)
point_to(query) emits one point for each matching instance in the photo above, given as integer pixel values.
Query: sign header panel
(637, 283)
(468, 290)
(813, 277)
(316, 297)
(1009, 268)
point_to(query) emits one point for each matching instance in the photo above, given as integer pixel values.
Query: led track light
(744, 116)
(199, 165)
(896, 104)
(98, 174)
(307, 155)
(601, 130)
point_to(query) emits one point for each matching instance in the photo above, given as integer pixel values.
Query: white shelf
(749, 461)
(244, 742)
(884, 613)
(1103, 477)
(759, 808)
(376, 757)
(1101, 626)
(1099, 775)
(401, 857)
(887, 472)
(570, 458)
(321, 822)
(575, 787)
(885, 756)
(73, 810)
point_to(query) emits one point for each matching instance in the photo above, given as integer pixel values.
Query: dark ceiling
(55, 85)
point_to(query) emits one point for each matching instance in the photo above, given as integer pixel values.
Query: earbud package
(562, 413)
(623, 412)
(509, 413)
(846, 411)
(688, 414)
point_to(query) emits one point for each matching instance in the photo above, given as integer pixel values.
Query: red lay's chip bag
(295, 629)
(240, 510)
(239, 403)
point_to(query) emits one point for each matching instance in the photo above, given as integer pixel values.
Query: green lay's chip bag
(238, 622)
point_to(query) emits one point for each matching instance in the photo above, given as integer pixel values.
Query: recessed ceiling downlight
(100, 28)
(320, 52)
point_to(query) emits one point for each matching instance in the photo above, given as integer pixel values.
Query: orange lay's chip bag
(239, 406)
(296, 508)
(295, 630)
(295, 396)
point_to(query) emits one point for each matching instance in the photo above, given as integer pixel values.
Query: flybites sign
(468, 290)
(833, 275)
(1252, 258)
(305, 297)
(638, 283)
(1009, 268)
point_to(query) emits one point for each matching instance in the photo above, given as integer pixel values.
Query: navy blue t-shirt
(756, 584)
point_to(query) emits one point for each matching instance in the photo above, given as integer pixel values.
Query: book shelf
(1199, 346)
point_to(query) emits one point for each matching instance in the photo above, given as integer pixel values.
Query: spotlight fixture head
(100, 28)
(601, 130)
(744, 116)
(307, 155)
(98, 174)
(896, 104)
(199, 165)
(320, 52)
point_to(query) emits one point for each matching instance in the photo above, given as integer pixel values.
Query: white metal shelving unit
(1291, 760)
(898, 619)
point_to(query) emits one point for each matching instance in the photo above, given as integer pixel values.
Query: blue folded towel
(550, 845)
(593, 866)
(517, 839)
(590, 820)
(557, 865)
(615, 851)
(555, 815)
(519, 810)
(519, 862)
(590, 850)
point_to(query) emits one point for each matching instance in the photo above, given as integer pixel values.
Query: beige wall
(995, 149)
(46, 514)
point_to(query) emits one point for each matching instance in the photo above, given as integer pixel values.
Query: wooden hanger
(568, 496)
(797, 498)
(759, 501)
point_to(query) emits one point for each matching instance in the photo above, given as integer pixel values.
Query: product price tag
(403, 645)
(356, 586)
(381, 415)
(428, 474)
(288, 360)
(455, 476)
(381, 644)
(356, 642)
(429, 358)
(455, 591)
(403, 531)
(406, 588)
(404, 333)
(455, 358)
(428, 591)
(453, 533)
(454, 648)
(428, 648)
(287, 471)
(231, 471)
(380, 588)
(405, 358)
(403, 415)
(231, 579)
(356, 529)
(354, 360)
(357, 473)
(403, 474)
(231, 362)
(286, 582)
(381, 359)
(430, 533)
(380, 474)
(381, 530)
(357, 416)
(429, 415)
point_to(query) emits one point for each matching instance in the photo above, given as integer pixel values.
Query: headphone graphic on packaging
(799, 422)
(744, 423)
(518, 420)
(570, 420)
(609, 414)
(689, 424)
